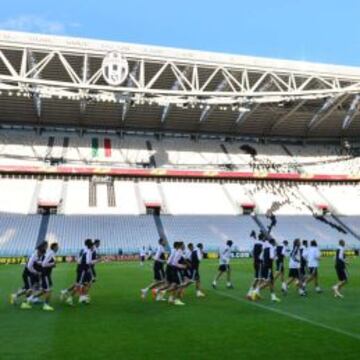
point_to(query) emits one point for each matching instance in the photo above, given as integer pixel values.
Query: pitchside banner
(66, 259)
(135, 257)
(332, 253)
(247, 254)
(234, 255)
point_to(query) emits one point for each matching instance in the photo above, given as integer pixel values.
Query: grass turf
(119, 325)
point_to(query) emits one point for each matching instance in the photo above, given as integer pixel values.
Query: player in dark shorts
(341, 271)
(48, 265)
(83, 276)
(267, 271)
(191, 274)
(171, 275)
(224, 265)
(280, 255)
(158, 269)
(95, 258)
(256, 255)
(142, 255)
(196, 257)
(176, 275)
(31, 278)
(313, 258)
(303, 261)
(294, 269)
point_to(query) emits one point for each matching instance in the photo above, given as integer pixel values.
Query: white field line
(292, 316)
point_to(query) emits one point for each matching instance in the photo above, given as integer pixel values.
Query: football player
(224, 266)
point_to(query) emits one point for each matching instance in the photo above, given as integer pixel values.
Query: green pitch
(119, 325)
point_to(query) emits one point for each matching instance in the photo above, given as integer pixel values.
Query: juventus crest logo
(115, 68)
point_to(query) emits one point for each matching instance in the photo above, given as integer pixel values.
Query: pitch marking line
(293, 316)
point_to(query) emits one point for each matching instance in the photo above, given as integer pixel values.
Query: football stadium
(165, 203)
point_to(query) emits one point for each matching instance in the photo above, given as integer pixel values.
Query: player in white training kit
(31, 277)
(224, 267)
(48, 264)
(257, 262)
(313, 258)
(84, 276)
(294, 269)
(142, 254)
(177, 263)
(175, 267)
(340, 267)
(196, 258)
(267, 270)
(159, 272)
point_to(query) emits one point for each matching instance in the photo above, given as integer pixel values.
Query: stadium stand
(193, 211)
(201, 157)
(18, 234)
(212, 230)
(27, 148)
(197, 198)
(123, 233)
(326, 232)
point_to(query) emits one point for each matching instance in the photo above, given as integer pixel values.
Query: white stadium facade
(127, 143)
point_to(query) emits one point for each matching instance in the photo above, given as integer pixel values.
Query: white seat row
(309, 228)
(27, 148)
(126, 233)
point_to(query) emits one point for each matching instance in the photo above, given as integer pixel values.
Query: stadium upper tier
(26, 148)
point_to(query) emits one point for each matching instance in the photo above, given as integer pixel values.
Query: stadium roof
(62, 81)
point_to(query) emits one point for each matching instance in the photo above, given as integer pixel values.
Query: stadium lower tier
(19, 234)
(108, 196)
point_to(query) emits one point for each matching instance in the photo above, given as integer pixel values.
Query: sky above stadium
(312, 30)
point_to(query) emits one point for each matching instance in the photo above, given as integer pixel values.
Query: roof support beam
(244, 114)
(199, 88)
(130, 83)
(353, 110)
(326, 110)
(208, 108)
(287, 115)
(8, 64)
(34, 93)
(315, 120)
(85, 75)
(176, 86)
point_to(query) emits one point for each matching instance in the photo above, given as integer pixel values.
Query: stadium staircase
(111, 194)
(159, 227)
(65, 148)
(230, 199)
(50, 146)
(63, 196)
(338, 222)
(139, 199)
(229, 165)
(152, 160)
(297, 166)
(164, 204)
(92, 194)
(259, 223)
(346, 227)
(335, 226)
(34, 201)
(44, 224)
